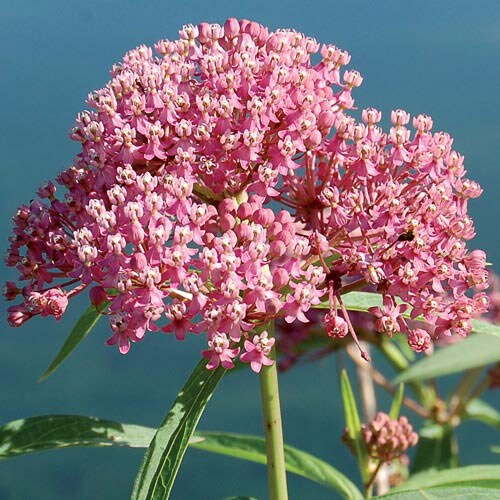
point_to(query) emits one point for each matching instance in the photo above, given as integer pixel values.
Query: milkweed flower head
(386, 438)
(221, 184)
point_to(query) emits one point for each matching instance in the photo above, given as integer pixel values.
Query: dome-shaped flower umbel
(387, 439)
(221, 184)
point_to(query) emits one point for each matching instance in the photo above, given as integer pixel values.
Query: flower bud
(97, 295)
(231, 27)
(387, 439)
(281, 278)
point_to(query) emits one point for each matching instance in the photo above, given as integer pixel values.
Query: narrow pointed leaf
(165, 453)
(475, 351)
(353, 423)
(240, 498)
(477, 409)
(484, 476)
(448, 492)
(41, 433)
(49, 432)
(82, 328)
(436, 448)
(397, 402)
(298, 462)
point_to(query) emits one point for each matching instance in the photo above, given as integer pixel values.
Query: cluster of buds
(387, 439)
(221, 184)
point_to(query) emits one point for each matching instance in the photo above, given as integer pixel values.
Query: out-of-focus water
(439, 58)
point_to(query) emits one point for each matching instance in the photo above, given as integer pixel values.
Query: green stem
(369, 484)
(272, 427)
(462, 393)
(397, 359)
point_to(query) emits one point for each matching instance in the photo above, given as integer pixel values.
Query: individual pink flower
(419, 340)
(257, 350)
(219, 352)
(335, 326)
(389, 317)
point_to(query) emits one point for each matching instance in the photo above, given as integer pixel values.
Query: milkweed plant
(225, 188)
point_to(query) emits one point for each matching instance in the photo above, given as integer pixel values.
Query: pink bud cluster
(221, 184)
(387, 439)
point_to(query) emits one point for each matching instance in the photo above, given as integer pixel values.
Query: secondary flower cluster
(387, 439)
(221, 185)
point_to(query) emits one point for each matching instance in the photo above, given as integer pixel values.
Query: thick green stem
(273, 430)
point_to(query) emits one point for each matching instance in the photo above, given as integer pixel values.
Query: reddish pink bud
(227, 222)
(285, 237)
(17, 315)
(231, 27)
(10, 290)
(273, 306)
(313, 140)
(252, 28)
(277, 248)
(325, 120)
(138, 262)
(281, 278)
(204, 32)
(245, 210)
(97, 295)
(264, 216)
(227, 205)
(283, 217)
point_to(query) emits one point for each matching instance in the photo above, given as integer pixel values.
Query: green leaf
(476, 350)
(240, 498)
(165, 453)
(436, 448)
(82, 328)
(479, 326)
(356, 301)
(33, 434)
(253, 448)
(353, 424)
(397, 402)
(63, 431)
(484, 476)
(477, 409)
(495, 449)
(462, 493)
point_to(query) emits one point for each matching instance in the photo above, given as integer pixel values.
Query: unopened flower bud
(387, 439)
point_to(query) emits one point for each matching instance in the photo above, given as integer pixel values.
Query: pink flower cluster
(387, 439)
(221, 185)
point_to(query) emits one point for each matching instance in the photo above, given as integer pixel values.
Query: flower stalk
(273, 428)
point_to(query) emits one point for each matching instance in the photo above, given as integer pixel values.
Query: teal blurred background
(439, 58)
